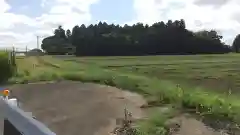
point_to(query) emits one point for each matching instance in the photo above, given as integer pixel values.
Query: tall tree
(236, 43)
(105, 39)
(212, 34)
(182, 24)
(60, 32)
(68, 34)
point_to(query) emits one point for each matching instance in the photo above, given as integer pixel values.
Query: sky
(22, 20)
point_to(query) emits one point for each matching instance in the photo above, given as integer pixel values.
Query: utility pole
(37, 42)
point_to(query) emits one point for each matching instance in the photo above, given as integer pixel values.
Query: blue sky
(22, 20)
(120, 11)
(31, 8)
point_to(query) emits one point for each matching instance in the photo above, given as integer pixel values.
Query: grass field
(202, 83)
(212, 72)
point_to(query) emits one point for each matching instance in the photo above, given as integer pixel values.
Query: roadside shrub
(7, 65)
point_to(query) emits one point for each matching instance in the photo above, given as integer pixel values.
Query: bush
(7, 65)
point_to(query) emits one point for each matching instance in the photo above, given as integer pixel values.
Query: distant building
(70, 49)
(35, 52)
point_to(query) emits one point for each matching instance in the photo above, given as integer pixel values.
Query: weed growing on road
(125, 125)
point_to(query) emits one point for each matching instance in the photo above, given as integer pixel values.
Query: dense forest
(104, 39)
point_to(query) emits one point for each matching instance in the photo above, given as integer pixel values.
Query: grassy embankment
(201, 84)
(7, 66)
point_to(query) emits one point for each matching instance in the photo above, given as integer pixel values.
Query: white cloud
(68, 13)
(21, 30)
(60, 9)
(43, 3)
(198, 14)
(3, 6)
(215, 3)
(62, 12)
(8, 20)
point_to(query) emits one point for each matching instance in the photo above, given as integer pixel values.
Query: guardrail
(18, 122)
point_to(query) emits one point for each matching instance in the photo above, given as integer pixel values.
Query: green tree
(59, 32)
(212, 34)
(104, 39)
(68, 34)
(236, 43)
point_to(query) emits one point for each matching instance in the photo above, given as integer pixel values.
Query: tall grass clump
(7, 65)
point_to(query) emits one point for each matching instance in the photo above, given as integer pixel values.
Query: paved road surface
(73, 108)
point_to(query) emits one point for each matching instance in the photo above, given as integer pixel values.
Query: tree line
(160, 38)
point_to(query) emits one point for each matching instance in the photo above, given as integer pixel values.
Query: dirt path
(73, 108)
(191, 126)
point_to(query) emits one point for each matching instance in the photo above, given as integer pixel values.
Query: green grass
(213, 72)
(156, 123)
(199, 84)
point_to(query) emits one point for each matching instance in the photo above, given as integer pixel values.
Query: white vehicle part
(21, 120)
